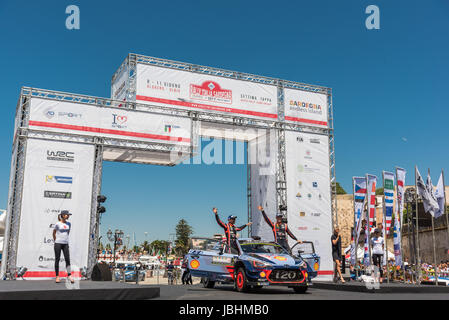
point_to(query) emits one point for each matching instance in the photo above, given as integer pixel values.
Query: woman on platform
(61, 233)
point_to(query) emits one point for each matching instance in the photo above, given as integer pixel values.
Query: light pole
(115, 237)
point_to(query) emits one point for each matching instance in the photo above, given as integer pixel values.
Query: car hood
(275, 259)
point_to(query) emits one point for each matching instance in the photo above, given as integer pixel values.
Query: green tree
(340, 189)
(183, 233)
(145, 246)
(159, 245)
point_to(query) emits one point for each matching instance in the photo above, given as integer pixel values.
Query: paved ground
(197, 292)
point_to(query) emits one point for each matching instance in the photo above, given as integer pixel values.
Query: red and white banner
(57, 176)
(194, 91)
(307, 108)
(400, 183)
(371, 182)
(308, 194)
(78, 118)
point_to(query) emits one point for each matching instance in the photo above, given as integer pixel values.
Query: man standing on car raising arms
(230, 231)
(280, 229)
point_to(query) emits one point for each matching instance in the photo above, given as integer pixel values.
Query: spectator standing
(336, 253)
(377, 244)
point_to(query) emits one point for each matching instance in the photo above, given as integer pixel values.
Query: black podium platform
(88, 290)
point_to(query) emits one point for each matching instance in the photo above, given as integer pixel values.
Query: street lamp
(115, 237)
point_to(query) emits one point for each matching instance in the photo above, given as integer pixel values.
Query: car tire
(240, 282)
(208, 283)
(301, 289)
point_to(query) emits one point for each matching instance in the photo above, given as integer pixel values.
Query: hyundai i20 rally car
(255, 265)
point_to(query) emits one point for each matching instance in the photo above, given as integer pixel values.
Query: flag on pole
(371, 182)
(440, 196)
(429, 201)
(400, 181)
(359, 184)
(388, 178)
(366, 257)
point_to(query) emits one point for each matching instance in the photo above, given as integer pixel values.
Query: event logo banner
(84, 119)
(371, 182)
(305, 107)
(194, 91)
(52, 184)
(388, 181)
(359, 185)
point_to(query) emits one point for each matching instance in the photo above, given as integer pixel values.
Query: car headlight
(301, 263)
(259, 264)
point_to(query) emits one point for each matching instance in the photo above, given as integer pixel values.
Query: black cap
(65, 212)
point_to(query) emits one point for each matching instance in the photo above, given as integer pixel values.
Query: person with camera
(230, 231)
(336, 253)
(280, 229)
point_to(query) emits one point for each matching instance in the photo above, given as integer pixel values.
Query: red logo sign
(210, 91)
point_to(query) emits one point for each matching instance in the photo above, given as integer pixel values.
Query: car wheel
(301, 289)
(208, 283)
(240, 281)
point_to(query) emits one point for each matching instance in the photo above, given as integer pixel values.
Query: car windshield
(205, 244)
(262, 248)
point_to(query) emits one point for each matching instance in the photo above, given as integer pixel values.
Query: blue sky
(389, 86)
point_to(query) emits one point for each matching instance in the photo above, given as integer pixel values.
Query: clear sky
(390, 86)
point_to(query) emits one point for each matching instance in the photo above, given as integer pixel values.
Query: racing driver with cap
(230, 231)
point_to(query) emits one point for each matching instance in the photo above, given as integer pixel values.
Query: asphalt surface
(226, 292)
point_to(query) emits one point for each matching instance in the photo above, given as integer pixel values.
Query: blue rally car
(257, 264)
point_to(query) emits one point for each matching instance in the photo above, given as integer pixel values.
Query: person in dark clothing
(230, 231)
(336, 253)
(186, 277)
(280, 229)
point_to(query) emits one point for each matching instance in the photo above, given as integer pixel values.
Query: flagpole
(400, 217)
(444, 208)
(433, 239)
(385, 233)
(418, 258)
(354, 231)
(368, 223)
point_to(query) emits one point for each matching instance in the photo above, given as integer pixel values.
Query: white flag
(429, 201)
(439, 195)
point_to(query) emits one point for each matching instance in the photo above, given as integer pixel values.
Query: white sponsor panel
(59, 116)
(262, 157)
(119, 87)
(307, 108)
(58, 176)
(308, 194)
(193, 91)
